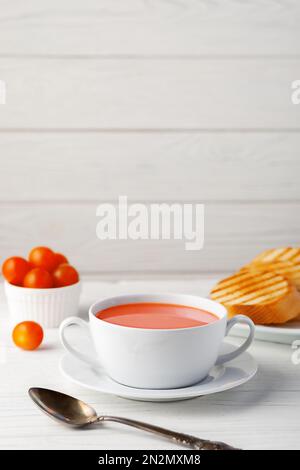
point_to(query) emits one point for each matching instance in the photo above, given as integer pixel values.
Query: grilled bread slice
(287, 269)
(266, 297)
(284, 261)
(275, 255)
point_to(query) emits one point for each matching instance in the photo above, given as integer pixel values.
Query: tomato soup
(156, 316)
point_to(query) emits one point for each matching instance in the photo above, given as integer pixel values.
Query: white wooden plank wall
(158, 100)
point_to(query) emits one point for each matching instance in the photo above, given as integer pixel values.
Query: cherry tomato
(28, 335)
(65, 275)
(60, 259)
(38, 278)
(14, 270)
(43, 257)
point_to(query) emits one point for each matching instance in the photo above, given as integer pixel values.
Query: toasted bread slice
(266, 297)
(275, 255)
(285, 261)
(285, 268)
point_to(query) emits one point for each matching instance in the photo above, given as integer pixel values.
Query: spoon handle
(176, 437)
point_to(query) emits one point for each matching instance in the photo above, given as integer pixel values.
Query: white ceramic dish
(220, 378)
(285, 334)
(48, 307)
(156, 358)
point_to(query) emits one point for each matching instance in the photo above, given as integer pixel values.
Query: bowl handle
(233, 321)
(88, 359)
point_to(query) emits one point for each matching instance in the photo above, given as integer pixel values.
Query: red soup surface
(156, 316)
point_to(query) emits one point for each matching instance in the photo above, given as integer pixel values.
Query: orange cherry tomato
(28, 335)
(14, 270)
(65, 275)
(60, 259)
(43, 257)
(38, 278)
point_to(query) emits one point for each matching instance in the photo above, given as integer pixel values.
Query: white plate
(285, 334)
(221, 378)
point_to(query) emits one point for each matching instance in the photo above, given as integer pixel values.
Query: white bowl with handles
(157, 358)
(48, 307)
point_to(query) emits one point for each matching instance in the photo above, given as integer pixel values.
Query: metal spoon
(76, 413)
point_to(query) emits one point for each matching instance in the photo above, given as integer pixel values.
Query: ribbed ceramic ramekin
(48, 307)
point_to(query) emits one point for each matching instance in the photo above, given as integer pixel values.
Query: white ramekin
(48, 307)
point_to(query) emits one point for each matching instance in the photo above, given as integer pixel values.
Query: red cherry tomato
(14, 270)
(38, 278)
(60, 259)
(65, 275)
(43, 257)
(28, 335)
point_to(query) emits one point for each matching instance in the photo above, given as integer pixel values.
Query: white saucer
(221, 378)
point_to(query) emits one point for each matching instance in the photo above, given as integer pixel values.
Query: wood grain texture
(261, 414)
(234, 234)
(140, 27)
(156, 100)
(149, 166)
(151, 94)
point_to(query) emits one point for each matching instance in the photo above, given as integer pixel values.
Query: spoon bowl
(64, 408)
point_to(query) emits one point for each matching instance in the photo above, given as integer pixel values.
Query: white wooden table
(262, 414)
